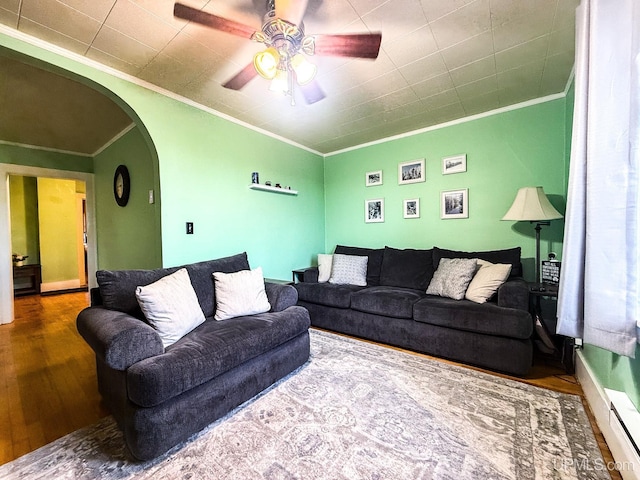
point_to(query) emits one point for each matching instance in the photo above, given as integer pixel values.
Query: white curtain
(598, 299)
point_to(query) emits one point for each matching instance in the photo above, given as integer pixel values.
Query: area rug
(357, 411)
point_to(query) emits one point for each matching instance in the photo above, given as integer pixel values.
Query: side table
(298, 275)
(559, 346)
(26, 280)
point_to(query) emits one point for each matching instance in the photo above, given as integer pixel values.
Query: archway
(93, 185)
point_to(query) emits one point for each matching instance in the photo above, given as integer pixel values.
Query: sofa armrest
(310, 275)
(514, 293)
(118, 339)
(281, 296)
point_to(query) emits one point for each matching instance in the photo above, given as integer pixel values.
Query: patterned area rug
(357, 411)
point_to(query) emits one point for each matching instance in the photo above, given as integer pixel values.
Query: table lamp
(532, 205)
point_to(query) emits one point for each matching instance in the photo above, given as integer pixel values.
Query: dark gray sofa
(394, 309)
(160, 397)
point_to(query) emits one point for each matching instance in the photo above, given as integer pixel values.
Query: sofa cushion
(510, 255)
(349, 270)
(487, 280)
(118, 287)
(324, 267)
(170, 306)
(485, 318)
(240, 293)
(394, 302)
(452, 277)
(202, 280)
(408, 268)
(374, 265)
(209, 350)
(338, 296)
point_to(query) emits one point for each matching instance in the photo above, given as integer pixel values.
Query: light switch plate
(189, 228)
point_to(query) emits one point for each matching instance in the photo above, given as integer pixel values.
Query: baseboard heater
(618, 420)
(624, 419)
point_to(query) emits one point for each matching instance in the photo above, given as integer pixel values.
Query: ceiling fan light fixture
(266, 63)
(305, 70)
(280, 82)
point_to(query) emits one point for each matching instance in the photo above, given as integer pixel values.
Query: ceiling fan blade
(362, 45)
(312, 92)
(243, 77)
(223, 24)
(291, 10)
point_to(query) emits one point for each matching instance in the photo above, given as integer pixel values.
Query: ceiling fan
(284, 61)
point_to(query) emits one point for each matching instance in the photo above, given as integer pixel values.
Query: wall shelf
(267, 188)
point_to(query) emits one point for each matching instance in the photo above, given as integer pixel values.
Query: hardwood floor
(48, 385)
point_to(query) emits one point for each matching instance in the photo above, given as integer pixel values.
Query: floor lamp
(532, 205)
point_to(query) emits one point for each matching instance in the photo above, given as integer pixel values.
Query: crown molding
(149, 86)
(46, 149)
(458, 121)
(36, 42)
(115, 138)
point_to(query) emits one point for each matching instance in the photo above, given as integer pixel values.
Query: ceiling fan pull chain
(291, 88)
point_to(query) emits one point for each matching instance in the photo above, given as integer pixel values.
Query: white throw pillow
(487, 280)
(349, 270)
(240, 293)
(324, 267)
(171, 306)
(452, 277)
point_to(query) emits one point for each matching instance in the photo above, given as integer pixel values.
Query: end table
(561, 347)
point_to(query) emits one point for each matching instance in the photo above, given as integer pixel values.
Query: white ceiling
(440, 59)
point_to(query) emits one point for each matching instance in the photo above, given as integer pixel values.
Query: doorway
(6, 267)
(48, 231)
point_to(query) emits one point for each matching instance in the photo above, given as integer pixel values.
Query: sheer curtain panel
(598, 298)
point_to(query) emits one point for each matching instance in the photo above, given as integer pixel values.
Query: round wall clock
(121, 185)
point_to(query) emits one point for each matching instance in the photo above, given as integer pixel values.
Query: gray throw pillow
(349, 270)
(171, 306)
(452, 277)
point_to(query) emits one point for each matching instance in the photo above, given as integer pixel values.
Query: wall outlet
(189, 228)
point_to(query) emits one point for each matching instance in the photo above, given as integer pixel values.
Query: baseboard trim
(62, 285)
(62, 292)
(626, 460)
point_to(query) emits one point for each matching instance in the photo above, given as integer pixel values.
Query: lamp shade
(531, 204)
(266, 63)
(305, 71)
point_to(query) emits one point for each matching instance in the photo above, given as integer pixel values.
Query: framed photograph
(455, 204)
(411, 172)
(374, 210)
(373, 178)
(411, 208)
(455, 164)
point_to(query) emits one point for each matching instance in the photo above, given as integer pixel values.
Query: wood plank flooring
(48, 384)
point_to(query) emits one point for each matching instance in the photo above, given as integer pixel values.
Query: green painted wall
(614, 371)
(204, 166)
(128, 237)
(504, 151)
(57, 206)
(44, 159)
(23, 199)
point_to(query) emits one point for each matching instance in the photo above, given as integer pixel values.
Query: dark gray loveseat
(160, 397)
(394, 309)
